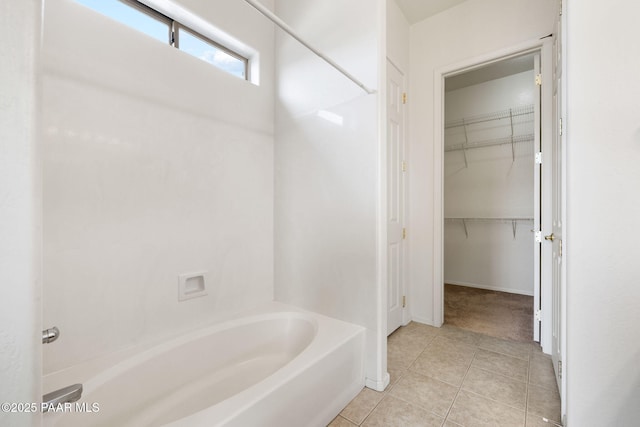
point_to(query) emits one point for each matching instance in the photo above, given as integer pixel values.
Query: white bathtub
(286, 368)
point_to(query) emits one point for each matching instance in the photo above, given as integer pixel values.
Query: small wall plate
(192, 285)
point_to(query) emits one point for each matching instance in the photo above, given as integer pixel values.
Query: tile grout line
(461, 383)
(477, 347)
(526, 400)
(387, 392)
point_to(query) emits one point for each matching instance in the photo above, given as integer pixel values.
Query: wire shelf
(512, 220)
(490, 143)
(496, 115)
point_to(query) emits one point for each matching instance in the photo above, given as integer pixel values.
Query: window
(153, 23)
(211, 52)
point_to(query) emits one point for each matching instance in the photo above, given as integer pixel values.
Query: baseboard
(378, 385)
(473, 285)
(422, 320)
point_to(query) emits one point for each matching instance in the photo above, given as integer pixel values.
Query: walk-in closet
(489, 198)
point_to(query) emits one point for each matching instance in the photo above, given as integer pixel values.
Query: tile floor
(452, 377)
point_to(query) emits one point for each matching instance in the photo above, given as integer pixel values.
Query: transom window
(165, 29)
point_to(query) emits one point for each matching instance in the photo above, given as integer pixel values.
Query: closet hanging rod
(498, 115)
(286, 28)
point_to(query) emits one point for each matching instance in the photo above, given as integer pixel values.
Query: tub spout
(67, 394)
(50, 335)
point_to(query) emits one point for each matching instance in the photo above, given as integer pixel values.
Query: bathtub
(284, 367)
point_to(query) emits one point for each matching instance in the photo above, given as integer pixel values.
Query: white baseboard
(378, 385)
(490, 288)
(422, 320)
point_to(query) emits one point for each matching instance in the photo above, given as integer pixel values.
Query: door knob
(550, 237)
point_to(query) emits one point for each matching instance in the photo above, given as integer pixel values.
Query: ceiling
(418, 10)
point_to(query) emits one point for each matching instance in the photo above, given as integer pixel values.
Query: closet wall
(490, 181)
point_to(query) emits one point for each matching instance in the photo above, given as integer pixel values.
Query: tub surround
(148, 178)
(329, 147)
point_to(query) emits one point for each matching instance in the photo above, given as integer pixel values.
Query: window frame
(140, 7)
(176, 40)
(174, 35)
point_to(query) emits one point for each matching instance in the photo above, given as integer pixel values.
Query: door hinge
(404, 166)
(537, 235)
(404, 301)
(404, 233)
(538, 158)
(560, 126)
(404, 97)
(560, 368)
(538, 79)
(538, 315)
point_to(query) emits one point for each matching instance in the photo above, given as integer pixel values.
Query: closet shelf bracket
(513, 150)
(466, 142)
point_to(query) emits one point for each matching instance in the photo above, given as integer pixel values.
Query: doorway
(491, 199)
(542, 301)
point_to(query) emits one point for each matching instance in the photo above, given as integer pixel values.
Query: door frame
(544, 46)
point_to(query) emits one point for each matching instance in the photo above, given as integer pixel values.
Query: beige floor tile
(395, 375)
(544, 402)
(362, 405)
(406, 340)
(402, 355)
(536, 348)
(455, 347)
(341, 422)
(421, 327)
(521, 350)
(446, 360)
(471, 410)
(467, 337)
(415, 332)
(538, 421)
(496, 387)
(428, 393)
(501, 364)
(392, 412)
(451, 424)
(542, 373)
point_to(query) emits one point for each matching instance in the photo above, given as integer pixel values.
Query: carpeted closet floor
(498, 314)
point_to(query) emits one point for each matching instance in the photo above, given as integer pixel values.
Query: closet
(489, 178)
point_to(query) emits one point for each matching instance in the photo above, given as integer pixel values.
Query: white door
(537, 201)
(396, 167)
(555, 238)
(545, 294)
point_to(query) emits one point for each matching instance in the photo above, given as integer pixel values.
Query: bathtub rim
(326, 330)
(86, 370)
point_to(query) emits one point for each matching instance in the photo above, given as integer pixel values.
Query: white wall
(20, 210)
(471, 29)
(155, 164)
(328, 168)
(398, 31)
(492, 185)
(603, 204)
